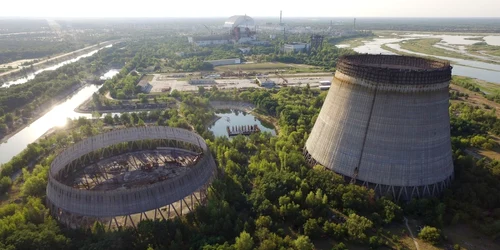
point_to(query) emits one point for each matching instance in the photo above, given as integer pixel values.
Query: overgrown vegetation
(20, 102)
(489, 90)
(268, 197)
(266, 191)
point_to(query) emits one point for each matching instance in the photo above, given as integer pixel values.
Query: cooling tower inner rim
(396, 62)
(395, 69)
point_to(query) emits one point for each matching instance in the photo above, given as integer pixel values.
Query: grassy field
(269, 66)
(464, 85)
(483, 47)
(385, 47)
(465, 236)
(426, 46)
(488, 88)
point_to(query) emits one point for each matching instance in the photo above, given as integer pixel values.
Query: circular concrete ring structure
(385, 124)
(81, 207)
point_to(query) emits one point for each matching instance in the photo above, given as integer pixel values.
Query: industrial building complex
(124, 176)
(239, 29)
(385, 125)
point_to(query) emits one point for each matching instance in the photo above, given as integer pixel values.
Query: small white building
(296, 47)
(222, 62)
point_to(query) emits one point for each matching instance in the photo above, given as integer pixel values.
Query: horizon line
(217, 17)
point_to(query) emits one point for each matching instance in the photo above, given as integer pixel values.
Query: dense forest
(36, 39)
(267, 197)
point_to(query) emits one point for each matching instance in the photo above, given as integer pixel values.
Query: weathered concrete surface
(99, 203)
(387, 133)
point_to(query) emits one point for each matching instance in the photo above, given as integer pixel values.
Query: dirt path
(411, 234)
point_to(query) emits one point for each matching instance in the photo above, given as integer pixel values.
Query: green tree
(201, 90)
(340, 246)
(332, 229)
(303, 243)
(3, 128)
(357, 225)
(9, 118)
(391, 210)
(35, 185)
(312, 228)
(5, 184)
(108, 119)
(375, 242)
(141, 123)
(263, 222)
(143, 98)
(244, 241)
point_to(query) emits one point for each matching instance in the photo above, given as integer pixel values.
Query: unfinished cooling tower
(385, 125)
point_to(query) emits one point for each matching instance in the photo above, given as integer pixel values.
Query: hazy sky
(224, 8)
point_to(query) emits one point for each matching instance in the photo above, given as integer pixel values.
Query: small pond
(237, 118)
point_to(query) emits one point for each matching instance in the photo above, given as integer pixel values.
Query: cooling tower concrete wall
(77, 202)
(385, 124)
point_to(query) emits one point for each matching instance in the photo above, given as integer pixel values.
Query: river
(53, 67)
(470, 68)
(57, 116)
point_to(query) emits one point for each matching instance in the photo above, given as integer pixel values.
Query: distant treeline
(482, 25)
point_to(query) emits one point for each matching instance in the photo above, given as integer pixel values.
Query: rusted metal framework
(161, 198)
(385, 125)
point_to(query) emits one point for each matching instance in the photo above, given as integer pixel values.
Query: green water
(237, 118)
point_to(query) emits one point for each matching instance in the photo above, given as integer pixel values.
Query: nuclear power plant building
(385, 125)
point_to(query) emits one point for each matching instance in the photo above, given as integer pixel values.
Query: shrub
(5, 184)
(430, 234)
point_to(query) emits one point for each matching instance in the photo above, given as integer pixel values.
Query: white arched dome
(239, 21)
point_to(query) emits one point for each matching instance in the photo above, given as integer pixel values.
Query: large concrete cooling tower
(385, 125)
